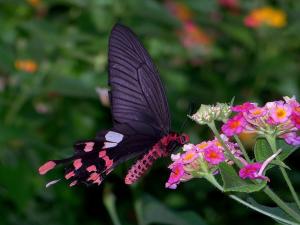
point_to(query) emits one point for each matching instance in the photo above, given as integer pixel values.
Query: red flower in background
(192, 37)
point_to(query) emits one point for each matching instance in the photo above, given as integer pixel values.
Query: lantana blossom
(255, 170)
(214, 155)
(200, 159)
(278, 118)
(235, 125)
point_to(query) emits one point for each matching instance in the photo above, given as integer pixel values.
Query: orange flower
(28, 65)
(179, 10)
(192, 35)
(34, 3)
(266, 15)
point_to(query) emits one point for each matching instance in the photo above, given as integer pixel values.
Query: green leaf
(71, 87)
(262, 151)
(151, 211)
(239, 34)
(109, 201)
(232, 182)
(276, 213)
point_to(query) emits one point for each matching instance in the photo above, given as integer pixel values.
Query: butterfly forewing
(137, 93)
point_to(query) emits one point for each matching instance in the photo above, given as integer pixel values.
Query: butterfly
(141, 119)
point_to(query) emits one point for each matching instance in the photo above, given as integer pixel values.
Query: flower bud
(208, 113)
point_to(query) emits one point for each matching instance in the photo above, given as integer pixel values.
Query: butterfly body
(141, 118)
(163, 148)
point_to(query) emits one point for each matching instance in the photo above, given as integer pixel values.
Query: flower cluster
(192, 36)
(278, 118)
(200, 160)
(266, 16)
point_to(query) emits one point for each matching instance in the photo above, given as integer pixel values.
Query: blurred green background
(53, 54)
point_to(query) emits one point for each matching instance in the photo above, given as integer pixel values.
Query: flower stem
(272, 142)
(238, 141)
(109, 201)
(281, 204)
(212, 126)
(275, 217)
(269, 192)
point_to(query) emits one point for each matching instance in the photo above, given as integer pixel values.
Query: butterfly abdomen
(143, 164)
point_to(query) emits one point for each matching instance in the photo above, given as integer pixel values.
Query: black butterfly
(141, 118)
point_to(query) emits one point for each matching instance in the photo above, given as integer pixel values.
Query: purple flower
(291, 138)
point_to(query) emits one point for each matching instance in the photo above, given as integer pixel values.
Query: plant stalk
(272, 142)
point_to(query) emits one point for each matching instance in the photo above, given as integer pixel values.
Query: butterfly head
(183, 139)
(176, 140)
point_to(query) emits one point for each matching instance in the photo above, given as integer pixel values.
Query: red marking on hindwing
(98, 181)
(73, 183)
(108, 161)
(91, 168)
(102, 153)
(88, 146)
(69, 175)
(46, 167)
(77, 164)
(93, 177)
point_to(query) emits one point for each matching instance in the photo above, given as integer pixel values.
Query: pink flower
(250, 171)
(251, 22)
(255, 170)
(257, 112)
(203, 145)
(292, 102)
(296, 110)
(296, 120)
(189, 156)
(214, 155)
(280, 112)
(234, 126)
(244, 107)
(176, 174)
(292, 138)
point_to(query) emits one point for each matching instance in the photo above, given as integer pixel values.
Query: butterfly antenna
(191, 110)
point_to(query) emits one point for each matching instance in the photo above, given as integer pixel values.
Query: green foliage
(276, 212)
(262, 151)
(151, 211)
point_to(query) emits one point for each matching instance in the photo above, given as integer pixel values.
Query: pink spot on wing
(77, 164)
(102, 154)
(93, 177)
(108, 162)
(98, 181)
(46, 167)
(69, 175)
(91, 168)
(88, 146)
(73, 183)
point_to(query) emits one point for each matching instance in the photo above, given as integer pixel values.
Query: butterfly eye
(184, 139)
